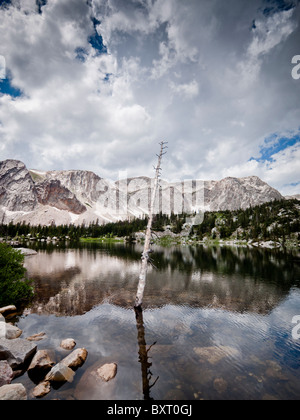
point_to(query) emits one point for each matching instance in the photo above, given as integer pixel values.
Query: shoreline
(163, 239)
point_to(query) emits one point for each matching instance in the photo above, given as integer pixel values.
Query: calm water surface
(216, 324)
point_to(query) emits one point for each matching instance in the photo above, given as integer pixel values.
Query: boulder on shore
(17, 352)
(8, 331)
(5, 309)
(6, 373)
(13, 392)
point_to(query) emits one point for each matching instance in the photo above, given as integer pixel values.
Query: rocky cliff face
(17, 192)
(238, 193)
(52, 193)
(63, 197)
(83, 184)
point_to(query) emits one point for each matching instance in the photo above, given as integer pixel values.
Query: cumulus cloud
(187, 90)
(279, 171)
(104, 81)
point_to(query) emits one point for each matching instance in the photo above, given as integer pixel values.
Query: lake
(216, 321)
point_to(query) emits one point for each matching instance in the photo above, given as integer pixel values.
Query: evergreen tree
(14, 289)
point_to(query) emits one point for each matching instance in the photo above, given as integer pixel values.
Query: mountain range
(76, 196)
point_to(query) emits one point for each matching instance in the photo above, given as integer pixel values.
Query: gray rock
(2, 327)
(75, 359)
(6, 373)
(41, 363)
(12, 332)
(107, 372)
(13, 392)
(16, 352)
(68, 344)
(41, 389)
(60, 373)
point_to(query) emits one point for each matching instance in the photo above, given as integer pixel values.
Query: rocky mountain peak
(17, 192)
(77, 196)
(83, 184)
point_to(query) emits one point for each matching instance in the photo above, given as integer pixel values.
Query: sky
(97, 84)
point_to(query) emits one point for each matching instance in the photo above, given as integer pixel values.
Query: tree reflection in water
(143, 355)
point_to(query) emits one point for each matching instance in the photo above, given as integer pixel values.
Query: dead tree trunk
(144, 359)
(147, 250)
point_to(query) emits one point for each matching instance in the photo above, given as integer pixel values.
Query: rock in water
(17, 352)
(92, 387)
(42, 389)
(41, 363)
(68, 344)
(220, 385)
(37, 337)
(75, 359)
(60, 373)
(213, 355)
(107, 372)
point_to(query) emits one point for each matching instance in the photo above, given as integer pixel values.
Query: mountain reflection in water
(73, 281)
(216, 322)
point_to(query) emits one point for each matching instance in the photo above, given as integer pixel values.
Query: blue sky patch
(4, 3)
(7, 88)
(40, 4)
(275, 144)
(275, 6)
(96, 40)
